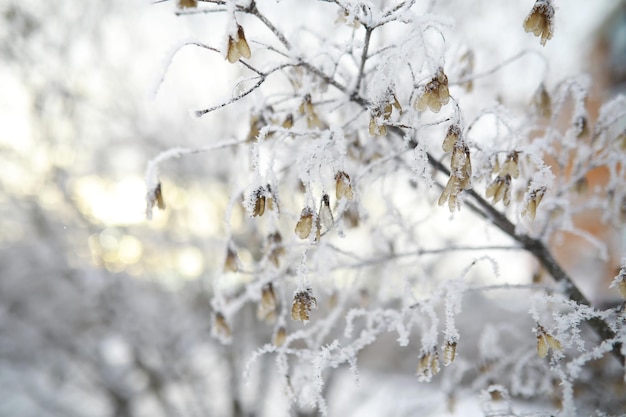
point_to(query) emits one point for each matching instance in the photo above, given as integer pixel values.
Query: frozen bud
(259, 202)
(343, 186)
(237, 46)
(288, 123)
(325, 214)
(534, 198)
(275, 248)
(435, 93)
(542, 102)
(267, 306)
(221, 329)
(454, 132)
(500, 189)
(449, 353)
(511, 165)
(540, 21)
(280, 336)
(231, 264)
(187, 4)
(306, 222)
(306, 109)
(303, 303)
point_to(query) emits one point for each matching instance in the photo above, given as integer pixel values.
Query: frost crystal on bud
(325, 214)
(305, 224)
(449, 353)
(279, 336)
(542, 102)
(534, 198)
(540, 21)
(500, 189)
(303, 303)
(343, 186)
(511, 165)
(454, 132)
(267, 307)
(435, 94)
(237, 47)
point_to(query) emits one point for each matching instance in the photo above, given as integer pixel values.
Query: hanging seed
(221, 328)
(434, 363)
(187, 4)
(582, 127)
(306, 109)
(280, 336)
(540, 21)
(231, 264)
(303, 303)
(542, 346)
(288, 123)
(449, 353)
(343, 186)
(305, 224)
(238, 47)
(267, 306)
(450, 193)
(454, 132)
(325, 214)
(542, 102)
(467, 69)
(158, 195)
(275, 248)
(533, 201)
(511, 165)
(500, 189)
(259, 202)
(435, 93)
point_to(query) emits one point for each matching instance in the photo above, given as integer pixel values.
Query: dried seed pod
(238, 46)
(449, 353)
(582, 127)
(275, 248)
(187, 4)
(500, 189)
(542, 102)
(306, 109)
(434, 363)
(450, 193)
(221, 329)
(325, 214)
(452, 137)
(305, 224)
(621, 286)
(534, 198)
(280, 336)
(154, 197)
(267, 306)
(540, 21)
(231, 264)
(467, 69)
(435, 93)
(288, 123)
(581, 185)
(303, 303)
(542, 346)
(344, 16)
(343, 186)
(546, 341)
(511, 165)
(428, 365)
(259, 202)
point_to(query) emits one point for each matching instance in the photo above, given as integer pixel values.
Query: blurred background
(103, 313)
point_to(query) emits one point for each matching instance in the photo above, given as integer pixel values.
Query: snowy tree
(393, 197)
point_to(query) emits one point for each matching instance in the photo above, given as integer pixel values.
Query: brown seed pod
(343, 186)
(303, 303)
(280, 336)
(325, 215)
(238, 47)
(305, 224)
(540, 20)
